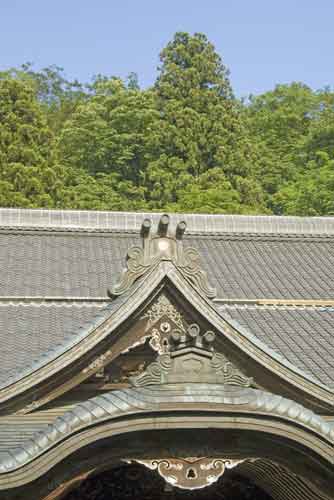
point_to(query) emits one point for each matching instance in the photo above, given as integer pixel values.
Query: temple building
(157, 356)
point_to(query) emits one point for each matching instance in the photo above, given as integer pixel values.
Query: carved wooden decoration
(190, 358)
(190, 473)
(163, 246)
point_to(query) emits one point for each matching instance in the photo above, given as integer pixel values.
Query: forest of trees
(185, 144)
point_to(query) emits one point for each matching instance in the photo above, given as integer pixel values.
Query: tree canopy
(185, 144)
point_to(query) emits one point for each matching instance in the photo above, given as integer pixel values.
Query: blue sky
(263, 42)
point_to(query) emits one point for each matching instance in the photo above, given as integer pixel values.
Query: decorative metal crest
(190, 473)
(190, 358)
(161, 316)
(163, 307)
(163, 246)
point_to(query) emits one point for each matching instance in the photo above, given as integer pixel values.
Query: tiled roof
(32, 332)
(268, 267)
(81, 254)
(302, 335)
(61, 265)
(240, 266)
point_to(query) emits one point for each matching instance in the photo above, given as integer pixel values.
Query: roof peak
(163, 246)
(132, 221)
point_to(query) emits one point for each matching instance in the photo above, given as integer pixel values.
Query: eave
(56, 375)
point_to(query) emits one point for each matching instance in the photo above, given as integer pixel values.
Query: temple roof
(274, 278)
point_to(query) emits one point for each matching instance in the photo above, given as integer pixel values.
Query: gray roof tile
(302, 335)
(29, 331)
(271, 267)
(241, 267)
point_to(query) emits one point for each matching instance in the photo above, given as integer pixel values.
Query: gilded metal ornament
(191, 473)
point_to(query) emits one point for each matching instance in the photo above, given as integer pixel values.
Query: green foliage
(211, 192)
(312, 193)
(290, 126)
(110, 131)
(186, 144)
(100, 192)
(28, 177)
(200, 129)
(277, 120)
(189, 65)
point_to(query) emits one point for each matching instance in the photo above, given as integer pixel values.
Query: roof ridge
(276, 303)
(131, 233)
(131, 221)
(14, 299)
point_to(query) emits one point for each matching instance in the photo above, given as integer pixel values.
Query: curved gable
(238, 343)
(68, 338)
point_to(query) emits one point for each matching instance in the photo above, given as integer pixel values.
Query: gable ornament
(190, 473)
(161, 308)
(159, 320)
(191, 358)
(164, 245)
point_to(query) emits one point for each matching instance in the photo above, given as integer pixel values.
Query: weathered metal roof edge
(131, 221)
(132, 401)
